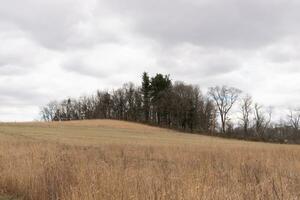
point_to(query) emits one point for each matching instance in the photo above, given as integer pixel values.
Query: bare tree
(294, 118)
(262, 121)
(48, 111)
(224, 97)
(246, 110)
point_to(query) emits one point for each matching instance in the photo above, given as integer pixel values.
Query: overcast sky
(53, 49)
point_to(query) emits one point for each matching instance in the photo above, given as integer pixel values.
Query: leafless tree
(262, 121)
(246, 110)
(294, 118)
(224, 97)
(48, 111)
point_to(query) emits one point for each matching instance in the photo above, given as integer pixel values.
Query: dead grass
(104, 159)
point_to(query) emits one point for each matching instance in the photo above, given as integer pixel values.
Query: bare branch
(224, 97)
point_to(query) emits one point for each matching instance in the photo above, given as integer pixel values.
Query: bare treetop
(294, 118)
(224, 97)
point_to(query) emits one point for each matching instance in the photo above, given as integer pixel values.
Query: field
(106, 159)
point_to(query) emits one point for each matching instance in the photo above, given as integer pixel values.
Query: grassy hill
(107, 159)
(98, 132)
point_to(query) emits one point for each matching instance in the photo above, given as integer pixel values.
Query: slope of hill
(97, 132)
(106, 159)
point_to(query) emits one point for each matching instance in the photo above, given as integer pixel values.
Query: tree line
(177, 105)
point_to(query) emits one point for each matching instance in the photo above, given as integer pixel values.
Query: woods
(160, 101)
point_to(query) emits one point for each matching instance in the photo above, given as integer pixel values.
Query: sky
(54, 49)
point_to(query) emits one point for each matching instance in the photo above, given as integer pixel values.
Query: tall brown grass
(47, 170)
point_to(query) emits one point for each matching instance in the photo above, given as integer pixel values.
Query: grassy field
(105, 159)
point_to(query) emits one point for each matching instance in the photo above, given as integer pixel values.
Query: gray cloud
(79, 66)
(46, 21)
(194, 61)
(232, 23)
(60, 24)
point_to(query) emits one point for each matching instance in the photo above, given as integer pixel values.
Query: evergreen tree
(160, 86)
(146, 87)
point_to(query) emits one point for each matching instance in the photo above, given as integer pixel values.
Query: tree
(294, 119)
(262, 121)
(207, 115)
(48, 111)
(246, 110)
(129, 98)
(160, 85)
(224, 98)
(186, 105)
(103, 105)
(146, 89)
(69, 110)
(88, 107)
(119, 101)
(138, 105)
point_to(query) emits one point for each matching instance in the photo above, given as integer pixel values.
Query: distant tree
(90, 105)
(48, 111)
(69, 109)
(186, 103)
(194, 108)
(146, 89)
(138, 105)
(207, 115)
(160, 85)
(129, 99)
(224, 98)
(119, 101)
(58, 115)
(262, 120)
(246, 110)
(103, 105)
(294, 119)
(77, 110)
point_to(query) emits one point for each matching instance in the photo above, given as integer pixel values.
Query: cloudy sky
(53, 49)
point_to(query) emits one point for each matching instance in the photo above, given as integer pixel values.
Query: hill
(108, 159)
(97, 132)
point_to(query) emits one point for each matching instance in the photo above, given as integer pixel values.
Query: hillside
(107, 159)
(97, 132)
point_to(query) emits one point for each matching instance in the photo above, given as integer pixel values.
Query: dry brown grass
(104, 159)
